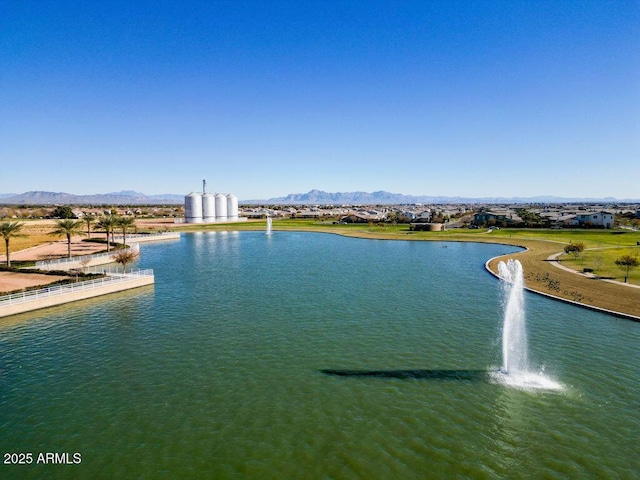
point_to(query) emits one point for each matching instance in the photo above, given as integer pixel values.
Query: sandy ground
(157, 223)
(10, 281)
(57, 249)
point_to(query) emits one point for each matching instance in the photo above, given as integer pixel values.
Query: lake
(227, 368)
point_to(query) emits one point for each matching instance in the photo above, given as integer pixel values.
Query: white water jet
(515, 356)
(269, 221)
(516, 370)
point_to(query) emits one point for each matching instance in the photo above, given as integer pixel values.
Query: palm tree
(68, 228)
(88, 219)
(10, 230)
(107, 223)
(125, 223)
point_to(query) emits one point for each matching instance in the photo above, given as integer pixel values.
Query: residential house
(493, 217)
(597, 219)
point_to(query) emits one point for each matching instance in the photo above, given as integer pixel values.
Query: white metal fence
(73, 287)
(62, 262)
(112, 270)
(147, 236)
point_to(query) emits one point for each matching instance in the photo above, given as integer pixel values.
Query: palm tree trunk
(68, 245)
(6, 241)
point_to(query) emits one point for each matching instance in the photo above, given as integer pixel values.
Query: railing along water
(74, 287)
(48, 264)
(147, 236)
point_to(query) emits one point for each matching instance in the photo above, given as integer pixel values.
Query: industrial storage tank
(193, 208)
(221, 207)
(208, 208)
(232, 207)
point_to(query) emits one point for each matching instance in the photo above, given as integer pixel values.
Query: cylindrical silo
(221, 207)
(208, 208)
(193, 208)
(232, 207)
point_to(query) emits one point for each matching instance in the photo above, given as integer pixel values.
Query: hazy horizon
(456, 98)
(356, 196)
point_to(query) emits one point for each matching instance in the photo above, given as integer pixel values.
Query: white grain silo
(193, 208)
(232, 207)
(208, 208)
(221, 207)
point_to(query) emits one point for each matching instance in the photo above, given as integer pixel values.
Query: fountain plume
(516, 370)
(514, 334)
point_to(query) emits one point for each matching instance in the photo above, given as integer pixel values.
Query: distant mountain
(313, 197)
(125, 197)
(126, 193)
(319, 197)
(352, 198)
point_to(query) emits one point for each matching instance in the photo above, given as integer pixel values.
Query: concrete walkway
(553, 260)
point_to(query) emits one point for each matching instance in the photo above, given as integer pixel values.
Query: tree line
(69, 228)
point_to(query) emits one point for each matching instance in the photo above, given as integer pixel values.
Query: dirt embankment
(543, 276)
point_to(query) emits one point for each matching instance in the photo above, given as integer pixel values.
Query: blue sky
(460, 98)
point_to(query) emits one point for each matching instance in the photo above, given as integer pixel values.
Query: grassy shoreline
(541, 275)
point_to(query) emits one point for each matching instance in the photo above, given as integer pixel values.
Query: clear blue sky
(469, 98)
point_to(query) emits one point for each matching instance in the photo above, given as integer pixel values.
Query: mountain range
(125, 197)
(319, 197)
(313, 197)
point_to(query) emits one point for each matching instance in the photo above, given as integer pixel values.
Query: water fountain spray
(516, 370)
(515, 356)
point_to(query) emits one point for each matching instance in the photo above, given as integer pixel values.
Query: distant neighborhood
(467, 216)
(418, 216)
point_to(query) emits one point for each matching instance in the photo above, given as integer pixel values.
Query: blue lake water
(216, 371)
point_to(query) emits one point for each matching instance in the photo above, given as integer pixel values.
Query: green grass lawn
(590, 238)
(602, 261)
(602, 248)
